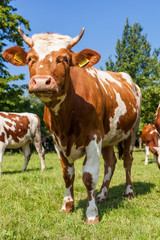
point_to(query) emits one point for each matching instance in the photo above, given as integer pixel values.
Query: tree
(134, 56)
(10, 94)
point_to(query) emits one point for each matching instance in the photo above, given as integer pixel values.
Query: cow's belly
(75, 152)
(113, 137)
(14, 144)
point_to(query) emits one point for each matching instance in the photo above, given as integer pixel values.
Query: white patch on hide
(129, 189)
(71, 171)
(155, 130)
(102, 194)
(115, 135)
(92, 210)
(57, 107)
(108, 175)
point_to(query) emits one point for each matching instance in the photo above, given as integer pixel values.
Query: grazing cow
(86, 111)
(150, 138)
(18, 130)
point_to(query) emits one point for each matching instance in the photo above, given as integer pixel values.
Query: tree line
(133, 56)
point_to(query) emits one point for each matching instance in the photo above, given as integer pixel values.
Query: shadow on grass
(116, 198)
(28, 170)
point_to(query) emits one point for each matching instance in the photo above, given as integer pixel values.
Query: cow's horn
(25, 38)
(76, 39)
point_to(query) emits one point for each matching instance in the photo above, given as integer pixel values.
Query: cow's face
(50, 76)
(49, 61)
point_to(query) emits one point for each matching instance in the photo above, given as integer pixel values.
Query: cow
(17, 130)
(150, 138)
(87, 111)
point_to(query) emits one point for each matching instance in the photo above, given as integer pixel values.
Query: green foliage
(133, 55)
(31, 202)
(9, 21)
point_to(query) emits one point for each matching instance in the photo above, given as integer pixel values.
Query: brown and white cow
(86, 110)
(150, 138)
(17, 130)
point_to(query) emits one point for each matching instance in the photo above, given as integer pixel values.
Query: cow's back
(17, 128)
(149, 133)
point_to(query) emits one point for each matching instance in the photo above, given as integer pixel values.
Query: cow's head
(49, 60)
(157, 155)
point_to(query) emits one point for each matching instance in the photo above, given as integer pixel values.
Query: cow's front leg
(90, 178)
(68, 175)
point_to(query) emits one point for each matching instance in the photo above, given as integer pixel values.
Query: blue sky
(103, 20)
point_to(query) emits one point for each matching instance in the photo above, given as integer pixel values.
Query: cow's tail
(120, 150)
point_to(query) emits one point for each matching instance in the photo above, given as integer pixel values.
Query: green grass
(30, 202)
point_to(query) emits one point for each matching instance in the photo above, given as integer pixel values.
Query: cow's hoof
(69, 207)
(92, 220)
(100, 200)
(67, 210)
(129, 195)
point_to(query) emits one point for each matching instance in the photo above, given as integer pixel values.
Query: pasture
(30, 202)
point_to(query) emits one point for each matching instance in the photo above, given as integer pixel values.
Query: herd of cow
(87, 111)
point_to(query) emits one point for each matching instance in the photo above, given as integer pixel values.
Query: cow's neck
(60, 111)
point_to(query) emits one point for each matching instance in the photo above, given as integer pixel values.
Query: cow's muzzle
(42, 83)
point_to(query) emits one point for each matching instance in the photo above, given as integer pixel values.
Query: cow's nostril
(34, 81)
(48, 81)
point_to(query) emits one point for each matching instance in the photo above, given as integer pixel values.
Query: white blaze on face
(44, 44)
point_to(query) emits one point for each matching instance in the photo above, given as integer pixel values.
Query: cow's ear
(86, 58)
(15, 55)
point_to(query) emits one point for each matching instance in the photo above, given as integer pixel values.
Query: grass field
(30, 202)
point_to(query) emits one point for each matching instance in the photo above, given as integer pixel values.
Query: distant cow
(150, 138)
(86, 110)
(18, 130)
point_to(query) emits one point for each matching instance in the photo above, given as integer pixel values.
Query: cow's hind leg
(68, 175)
(40, 150)
(90, 178)
(127, 157)
(27, 154)
(109, 166)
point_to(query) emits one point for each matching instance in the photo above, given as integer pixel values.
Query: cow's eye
(31, 60)
(58, 60)
(65, 59)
